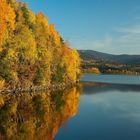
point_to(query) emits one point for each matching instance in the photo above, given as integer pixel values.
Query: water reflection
(91, 87)
(37, 116)
(104, 110)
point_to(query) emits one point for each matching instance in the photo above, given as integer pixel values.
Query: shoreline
(52, 88)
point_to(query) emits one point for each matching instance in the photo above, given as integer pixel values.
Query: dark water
(91, 111)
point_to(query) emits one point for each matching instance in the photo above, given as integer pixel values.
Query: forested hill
(32, 52)
(109, 58)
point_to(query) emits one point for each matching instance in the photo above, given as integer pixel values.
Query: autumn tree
(71, 62)
(43, 50)
(29, 16)
(56, 43)
(7, 19)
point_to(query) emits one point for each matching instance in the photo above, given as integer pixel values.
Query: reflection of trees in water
(26, 117)
(91, 87)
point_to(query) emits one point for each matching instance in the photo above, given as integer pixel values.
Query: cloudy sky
(111, 26)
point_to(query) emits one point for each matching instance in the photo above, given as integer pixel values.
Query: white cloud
(131, 30)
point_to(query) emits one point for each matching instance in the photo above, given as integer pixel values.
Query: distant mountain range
(109, 58)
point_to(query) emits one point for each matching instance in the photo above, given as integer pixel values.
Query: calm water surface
(106, 111)
(105, 107)
(117, 79)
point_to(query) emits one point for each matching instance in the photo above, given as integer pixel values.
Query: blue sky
(111, 26)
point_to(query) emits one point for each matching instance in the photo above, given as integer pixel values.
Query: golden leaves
(33, 47)
(54, 35)
(7, 18)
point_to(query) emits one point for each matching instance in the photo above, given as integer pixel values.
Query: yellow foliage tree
(43, 50)
(71, 61)
(7, 18)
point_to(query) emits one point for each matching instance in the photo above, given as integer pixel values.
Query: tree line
(32, 52)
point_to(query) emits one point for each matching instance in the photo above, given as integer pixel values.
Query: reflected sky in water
(106, 112)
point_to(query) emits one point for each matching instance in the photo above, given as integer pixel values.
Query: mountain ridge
(109, 58)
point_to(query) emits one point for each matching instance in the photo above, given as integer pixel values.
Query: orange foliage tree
(7, 18)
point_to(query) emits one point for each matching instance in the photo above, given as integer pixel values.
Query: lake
(106, 111)
(101, 107)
